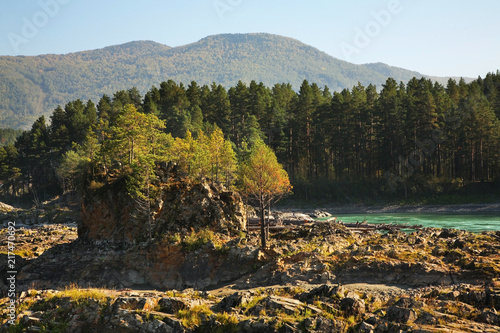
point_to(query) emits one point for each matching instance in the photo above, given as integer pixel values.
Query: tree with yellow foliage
(263, 180)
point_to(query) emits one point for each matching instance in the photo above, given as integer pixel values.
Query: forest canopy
(403, 140)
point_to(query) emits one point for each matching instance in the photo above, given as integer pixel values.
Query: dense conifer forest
(364, 144)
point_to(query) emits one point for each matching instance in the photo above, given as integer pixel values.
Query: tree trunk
(148, 205)
(262, 224)
(481, 161)
(472, 163)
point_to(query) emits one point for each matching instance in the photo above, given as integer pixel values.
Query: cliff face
(108, 217)
(188, 205)
(181, 205)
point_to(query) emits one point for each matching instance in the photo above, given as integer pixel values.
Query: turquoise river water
(476, 222)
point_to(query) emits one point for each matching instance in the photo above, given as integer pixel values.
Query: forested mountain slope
(35, 85)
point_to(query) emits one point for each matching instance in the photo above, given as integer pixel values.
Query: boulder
(136, 303)
(328, 325)
(489, 317)
(172, 304)
(352, 306)
(324, 290)
(320, 214)
(400, 315)
(474, 297)
(228, 303)
(252, 325)
(408, 302)
(364, 327)
(282, 304)
(426, 318)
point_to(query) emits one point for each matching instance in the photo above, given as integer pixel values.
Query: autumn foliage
(263, 180)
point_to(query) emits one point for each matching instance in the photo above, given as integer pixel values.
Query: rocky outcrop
(5, 208)
(275, 309)
(318, 254)
(162, 265)
(108, 214)
(318, 278)
(185, 204)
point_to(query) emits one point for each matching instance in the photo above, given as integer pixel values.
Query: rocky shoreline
(198, 267)
(318, 278)
(363, 209)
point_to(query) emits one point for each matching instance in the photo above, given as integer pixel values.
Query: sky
(439, 38)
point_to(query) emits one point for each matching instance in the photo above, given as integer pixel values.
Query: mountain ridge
(31, 86)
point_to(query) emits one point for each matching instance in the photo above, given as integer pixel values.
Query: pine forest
(365, 144)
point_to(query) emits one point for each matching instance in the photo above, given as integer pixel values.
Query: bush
(196, 240)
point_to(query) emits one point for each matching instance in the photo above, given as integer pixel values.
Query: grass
(253, 302)
(313, 245)
(286, 291)
(24, 253)
(174, 238)
(148, 316)
(174, 293)
(195, 240)
(81, 296)
(297, 317)
(194, 317)
(55, 314)
(229, 323)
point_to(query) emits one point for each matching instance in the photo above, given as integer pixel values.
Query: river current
(474, 222)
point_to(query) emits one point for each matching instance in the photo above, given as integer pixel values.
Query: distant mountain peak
(32, 86)
(134, 46)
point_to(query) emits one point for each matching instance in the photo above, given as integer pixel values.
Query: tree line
(408, 139)
(8, 136)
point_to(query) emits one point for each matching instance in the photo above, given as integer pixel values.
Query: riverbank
(322, 277)
(381, 209)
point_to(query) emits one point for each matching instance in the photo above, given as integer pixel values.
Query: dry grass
(83, 295)
(194, 317)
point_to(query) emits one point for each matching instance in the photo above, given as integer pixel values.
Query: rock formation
(182, 205)
(199, 273)
(319, 278)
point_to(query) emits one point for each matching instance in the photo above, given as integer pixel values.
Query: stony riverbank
(363, 209)
(319, 278)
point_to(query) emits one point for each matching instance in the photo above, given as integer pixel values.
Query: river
(474, 222)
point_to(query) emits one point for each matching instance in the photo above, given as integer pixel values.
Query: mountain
(35, 85)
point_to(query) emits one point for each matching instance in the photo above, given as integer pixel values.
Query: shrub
(196, 240)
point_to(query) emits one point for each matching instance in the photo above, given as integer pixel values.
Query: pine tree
(240, 112)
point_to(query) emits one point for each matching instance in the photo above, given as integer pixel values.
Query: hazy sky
(438, 37)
